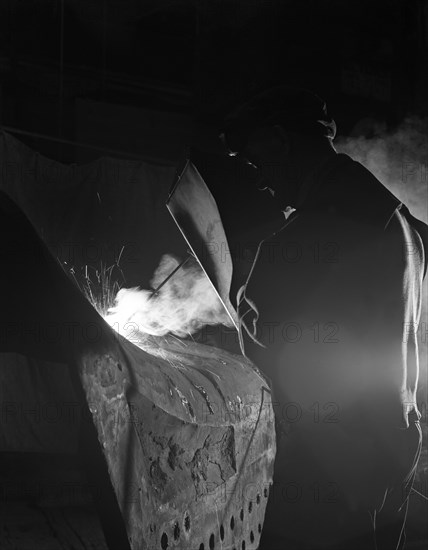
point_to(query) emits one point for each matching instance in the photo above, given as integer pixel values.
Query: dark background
(187, 61)
(147, 79)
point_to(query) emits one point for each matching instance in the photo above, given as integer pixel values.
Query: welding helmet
(295, 109)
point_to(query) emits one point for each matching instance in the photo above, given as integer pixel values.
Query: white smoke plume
(182, 306)
(399, 159)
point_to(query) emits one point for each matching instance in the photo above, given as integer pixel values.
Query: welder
(329, 313)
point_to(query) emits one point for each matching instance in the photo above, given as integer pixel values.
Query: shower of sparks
(181, 307)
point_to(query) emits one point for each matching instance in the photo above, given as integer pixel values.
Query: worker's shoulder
(417, 225)
(400, 222)
(350, 190)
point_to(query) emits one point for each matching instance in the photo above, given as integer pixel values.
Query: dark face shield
(295, 110)
(234, 144)
(235, 140)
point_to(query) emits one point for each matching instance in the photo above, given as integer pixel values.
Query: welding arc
(156, 290)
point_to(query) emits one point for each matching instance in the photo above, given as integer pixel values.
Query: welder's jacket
(338, 293)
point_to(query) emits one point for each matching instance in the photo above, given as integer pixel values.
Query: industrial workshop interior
(214, 248)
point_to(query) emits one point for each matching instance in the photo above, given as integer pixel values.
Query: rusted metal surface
(188, 435)
(185, 432)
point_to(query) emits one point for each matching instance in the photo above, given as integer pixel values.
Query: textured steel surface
(188, 434)
(185, 432)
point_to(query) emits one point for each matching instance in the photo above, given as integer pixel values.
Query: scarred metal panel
(188, 434)
(185, 432)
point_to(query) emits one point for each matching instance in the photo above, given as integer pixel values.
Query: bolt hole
(211, 542)
(176, 531)
(250, 507)
(221, 532)
(259, 527)
(252, 536)
(241, 514)
(243, 545)
(164, 541)
(201, 546)
(232, 523)
(258, 499)
(186, 522)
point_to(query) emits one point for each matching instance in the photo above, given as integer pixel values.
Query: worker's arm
(403, 259)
